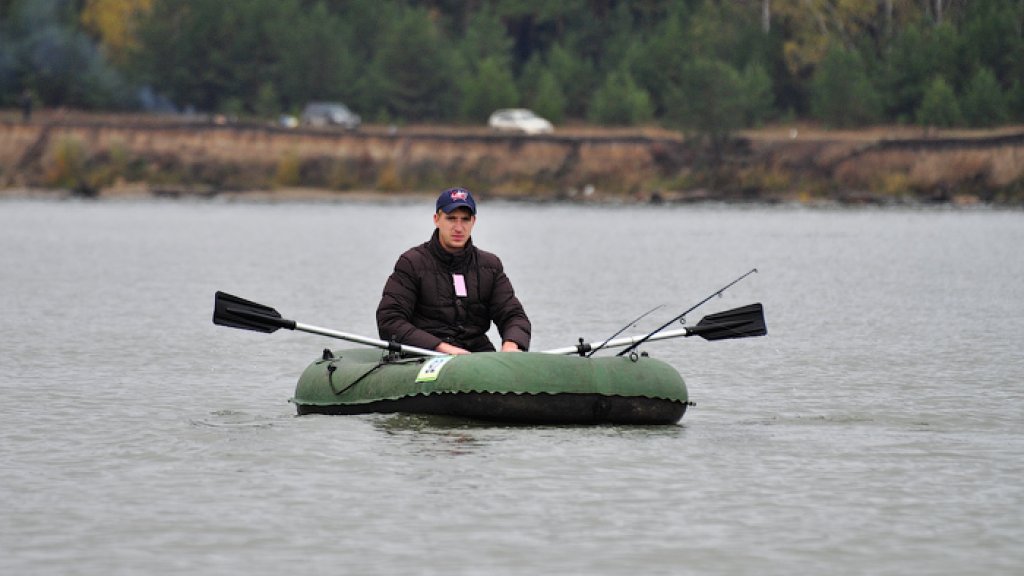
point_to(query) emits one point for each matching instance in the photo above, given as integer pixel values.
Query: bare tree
(888, 18)
(934, 8)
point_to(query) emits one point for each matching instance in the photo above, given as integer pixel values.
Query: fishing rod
(743, 322)
(623, 329)
(683, 315)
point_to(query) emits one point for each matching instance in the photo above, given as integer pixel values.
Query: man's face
(454, 228)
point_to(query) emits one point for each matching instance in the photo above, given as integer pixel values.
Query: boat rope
(331, 369)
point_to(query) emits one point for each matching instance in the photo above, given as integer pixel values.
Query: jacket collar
(453, 261)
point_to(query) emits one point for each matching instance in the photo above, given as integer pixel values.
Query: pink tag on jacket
(460, 285)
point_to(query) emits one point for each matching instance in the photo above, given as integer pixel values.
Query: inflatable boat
(560, 386)
(527, 387)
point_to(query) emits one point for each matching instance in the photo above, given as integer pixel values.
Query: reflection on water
(875, 430)
(234, 419)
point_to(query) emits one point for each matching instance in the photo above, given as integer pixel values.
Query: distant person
(26, 105)
(444, 293)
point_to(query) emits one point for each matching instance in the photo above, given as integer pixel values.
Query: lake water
(875, 430)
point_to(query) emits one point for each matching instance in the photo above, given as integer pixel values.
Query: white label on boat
(432, 368)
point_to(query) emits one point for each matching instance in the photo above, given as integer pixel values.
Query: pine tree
(549, 100)
(842, 94)
(490, 88)
(417, 82)
(621, 101)
(576, 77)
(709, 101)
(661, 59)
(939, 108)
(984, 103)
(756, 87)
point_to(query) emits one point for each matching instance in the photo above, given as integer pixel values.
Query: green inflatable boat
(561, 386)
(528, 387)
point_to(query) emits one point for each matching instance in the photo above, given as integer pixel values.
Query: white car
(330, 113)
(519, 120)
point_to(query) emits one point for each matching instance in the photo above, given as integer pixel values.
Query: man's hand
(446, 348)
(510, 346)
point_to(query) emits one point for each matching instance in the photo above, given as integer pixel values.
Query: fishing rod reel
(585, 350)
(636, 357)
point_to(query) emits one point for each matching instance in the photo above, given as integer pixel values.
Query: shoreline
(113, 156)
(322, 196)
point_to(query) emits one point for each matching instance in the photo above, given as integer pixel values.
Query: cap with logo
(453, 198)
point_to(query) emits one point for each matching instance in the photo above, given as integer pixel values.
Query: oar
(742, 322)
(236, 312)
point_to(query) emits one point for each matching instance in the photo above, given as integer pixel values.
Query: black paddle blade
(736, 323)
(238, 312)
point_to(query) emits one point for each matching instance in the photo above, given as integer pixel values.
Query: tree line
(711, 66)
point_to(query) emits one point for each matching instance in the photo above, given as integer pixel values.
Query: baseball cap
(453, 198)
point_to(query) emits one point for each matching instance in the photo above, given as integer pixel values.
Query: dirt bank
(112, 154)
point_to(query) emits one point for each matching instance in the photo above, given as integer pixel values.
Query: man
(444, 294)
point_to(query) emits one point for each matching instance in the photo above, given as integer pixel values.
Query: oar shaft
(618, 342)
(403, 348)
(235, 312)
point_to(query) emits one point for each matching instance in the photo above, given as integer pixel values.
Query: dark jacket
(419, 306)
